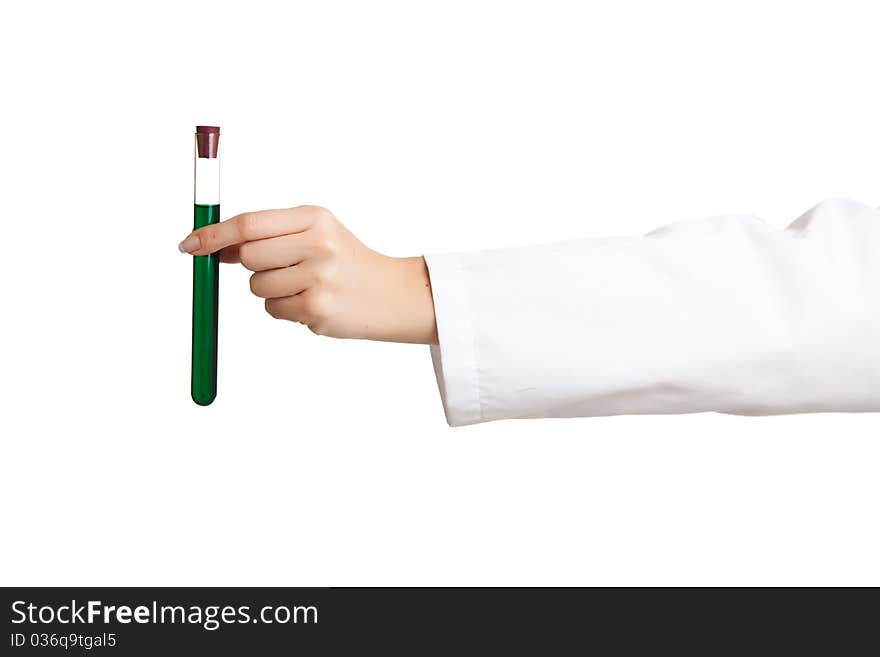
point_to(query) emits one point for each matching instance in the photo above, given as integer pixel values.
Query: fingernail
(190, 244)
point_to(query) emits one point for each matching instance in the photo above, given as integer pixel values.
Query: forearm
(722, 314)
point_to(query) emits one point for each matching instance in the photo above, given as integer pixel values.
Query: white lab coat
(722, 314)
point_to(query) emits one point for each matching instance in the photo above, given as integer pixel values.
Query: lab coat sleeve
(723, 314)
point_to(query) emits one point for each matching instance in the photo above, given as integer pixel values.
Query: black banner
(150, 621)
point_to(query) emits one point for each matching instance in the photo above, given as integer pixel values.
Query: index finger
(247, 227)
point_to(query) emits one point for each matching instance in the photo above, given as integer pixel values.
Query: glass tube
(206, 269)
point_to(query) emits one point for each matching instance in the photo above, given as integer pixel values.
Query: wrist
(410, 301)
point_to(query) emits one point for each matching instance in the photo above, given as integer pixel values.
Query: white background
(424, 127)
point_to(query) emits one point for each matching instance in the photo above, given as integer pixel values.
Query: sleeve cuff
(455, 359)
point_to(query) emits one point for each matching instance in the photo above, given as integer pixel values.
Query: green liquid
(206, 274)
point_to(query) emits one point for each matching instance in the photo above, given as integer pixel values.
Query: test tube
(206, 269)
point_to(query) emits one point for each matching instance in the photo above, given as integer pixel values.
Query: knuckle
(318, 214)
(273, 307)
(315, 307)
(323, 244)
(323, 275)
(319, 329)
(247, 225)
(320, 220)
(208, 239)
(329, 247)
(246, 256)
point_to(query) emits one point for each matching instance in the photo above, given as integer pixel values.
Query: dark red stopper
(207, 140)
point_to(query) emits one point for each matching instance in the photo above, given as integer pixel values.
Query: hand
(310, 269)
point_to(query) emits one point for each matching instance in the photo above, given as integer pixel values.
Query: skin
(310, 269)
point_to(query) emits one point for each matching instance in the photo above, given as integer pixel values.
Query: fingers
(297, 308)
(278, 283)
(293, 253)
(250, 226)
(274, 253)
